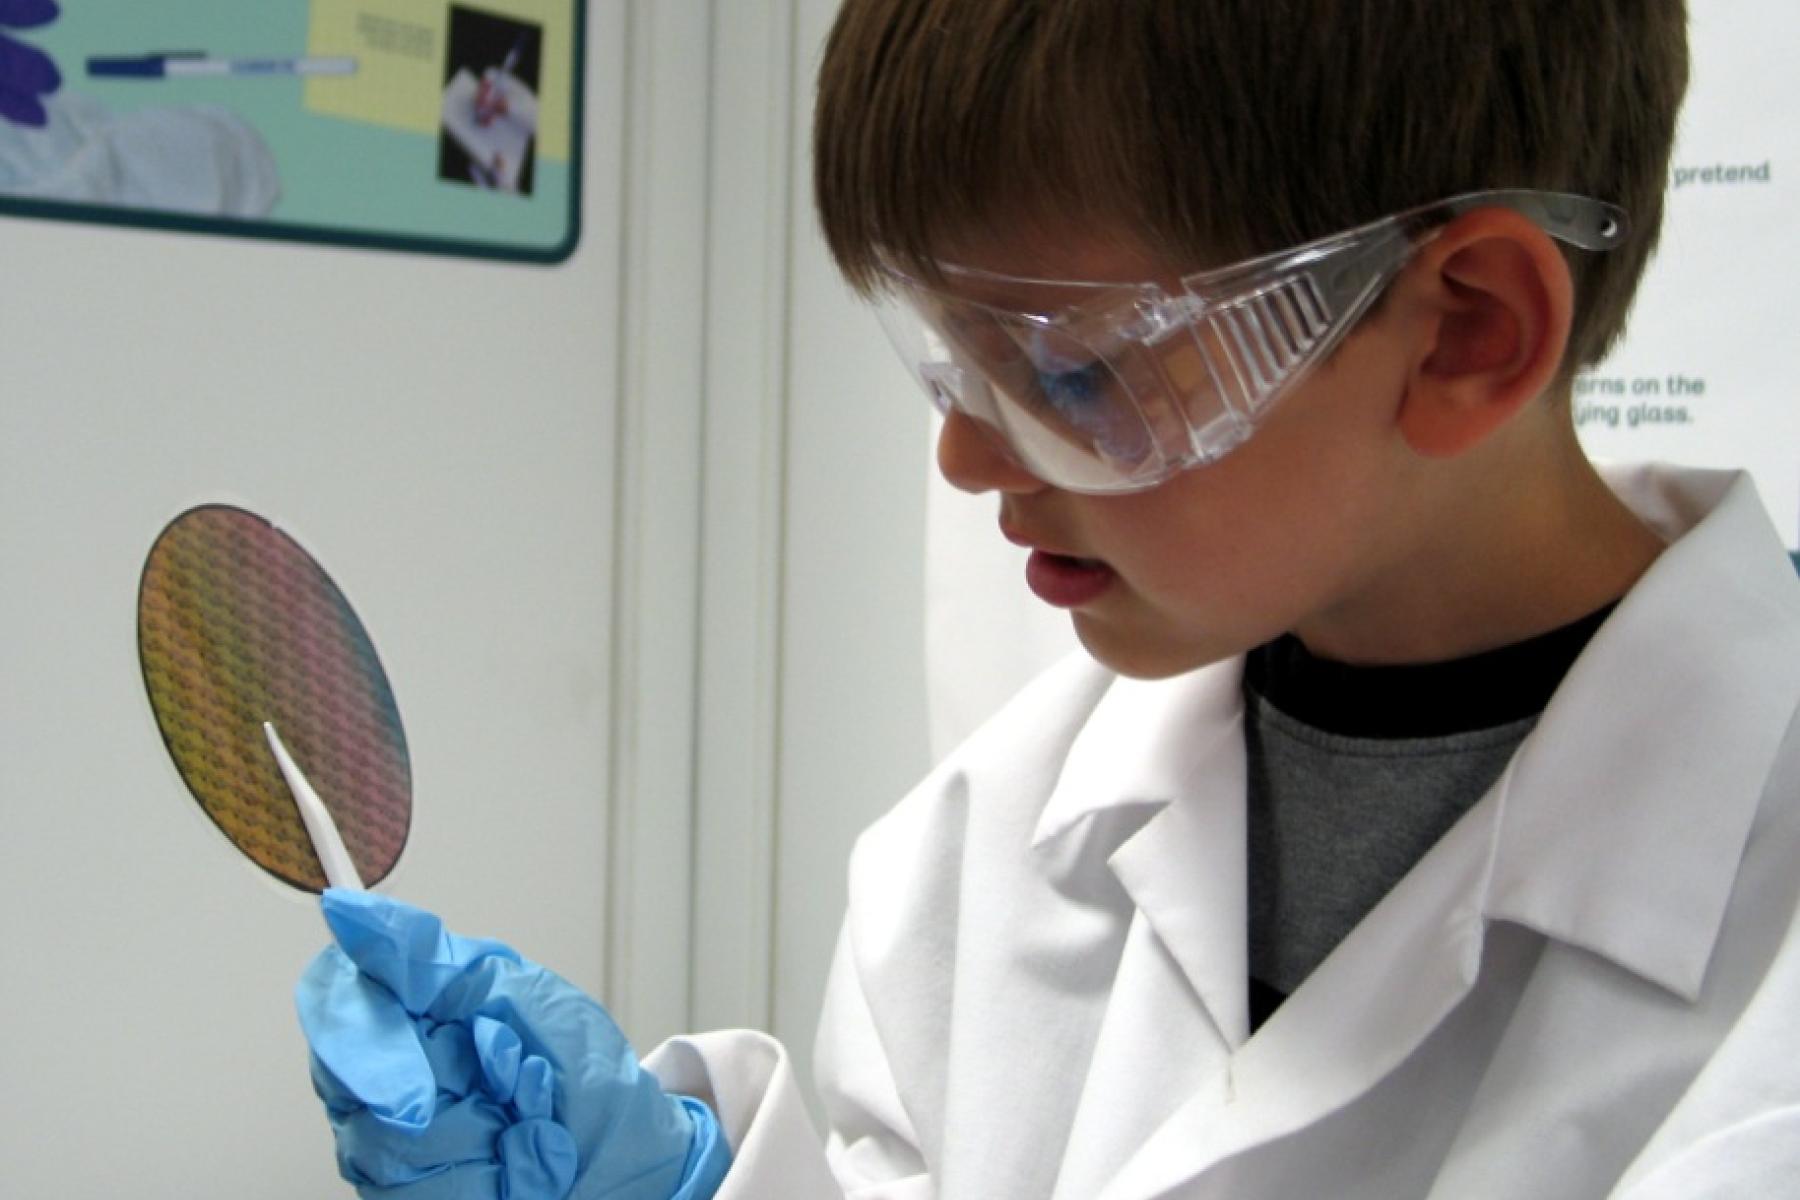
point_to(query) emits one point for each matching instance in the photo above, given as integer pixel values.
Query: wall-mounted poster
(430, 125)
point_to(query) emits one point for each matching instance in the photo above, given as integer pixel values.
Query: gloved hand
(454, 1069)
(26, 73)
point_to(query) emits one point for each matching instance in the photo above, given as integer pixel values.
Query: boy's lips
(1066, 582)
(1058, 578)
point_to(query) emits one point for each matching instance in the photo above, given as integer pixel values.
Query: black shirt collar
(1496, 687)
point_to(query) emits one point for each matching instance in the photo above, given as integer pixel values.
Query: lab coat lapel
(1185, 872)
(1218, 1094)
(1173, 749)
(1178, 1003)
(1369, 1005)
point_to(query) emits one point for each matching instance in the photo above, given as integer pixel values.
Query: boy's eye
(1070, 390)
(1070, 378)
(1089, 403)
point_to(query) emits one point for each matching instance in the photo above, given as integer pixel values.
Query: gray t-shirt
(1336, 821)
(1355, 772)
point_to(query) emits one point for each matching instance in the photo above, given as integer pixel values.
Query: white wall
(853, 670)
(808, 693)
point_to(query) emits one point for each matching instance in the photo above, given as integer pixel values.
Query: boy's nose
(971, 459)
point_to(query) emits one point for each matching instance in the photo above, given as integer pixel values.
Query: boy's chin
(1137, 656)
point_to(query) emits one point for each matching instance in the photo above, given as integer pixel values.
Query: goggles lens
(1058, 403)
(1127, 386)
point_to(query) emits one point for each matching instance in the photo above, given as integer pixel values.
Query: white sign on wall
(1704, 373)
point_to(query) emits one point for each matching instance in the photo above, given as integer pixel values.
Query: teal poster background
(344, 180)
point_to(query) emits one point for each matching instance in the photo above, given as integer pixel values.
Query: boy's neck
(1524, 537)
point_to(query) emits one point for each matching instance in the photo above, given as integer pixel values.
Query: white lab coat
(1589, 987)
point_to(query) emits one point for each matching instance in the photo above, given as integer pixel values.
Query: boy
(1425, 822)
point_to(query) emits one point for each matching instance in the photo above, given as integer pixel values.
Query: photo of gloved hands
(27, 74)
(454, 1069)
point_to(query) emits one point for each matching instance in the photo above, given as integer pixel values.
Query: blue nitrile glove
(454, 1069)
(26, 73)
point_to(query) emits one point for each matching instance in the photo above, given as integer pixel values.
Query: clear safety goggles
(1124, 385)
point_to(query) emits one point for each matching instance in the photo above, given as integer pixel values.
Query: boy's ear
(1497, 299)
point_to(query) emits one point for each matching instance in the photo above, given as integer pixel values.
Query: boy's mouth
(1066, 581)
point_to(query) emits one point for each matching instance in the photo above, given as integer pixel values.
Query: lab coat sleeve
(746, 1078)
(872, 1146)
(748, 1081)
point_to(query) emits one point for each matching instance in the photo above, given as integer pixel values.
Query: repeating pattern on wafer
(237, 624)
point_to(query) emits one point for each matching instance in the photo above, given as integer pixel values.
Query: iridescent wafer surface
(238, 625)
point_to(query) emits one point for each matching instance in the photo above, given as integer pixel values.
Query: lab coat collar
(1659, 739)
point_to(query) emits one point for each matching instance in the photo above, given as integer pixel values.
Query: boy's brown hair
(1209, 130)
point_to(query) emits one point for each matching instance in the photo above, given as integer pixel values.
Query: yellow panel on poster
(402, 48)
